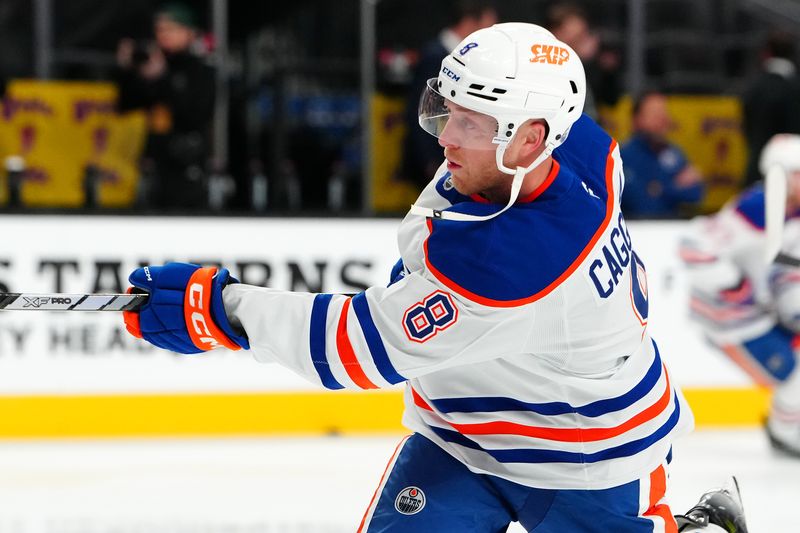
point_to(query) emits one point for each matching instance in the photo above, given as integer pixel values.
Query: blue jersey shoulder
(518, 256)
(586, 152)
(750, 204)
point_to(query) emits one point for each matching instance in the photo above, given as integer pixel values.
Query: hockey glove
(184, 312)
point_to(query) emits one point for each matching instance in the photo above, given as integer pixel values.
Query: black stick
(70, 302)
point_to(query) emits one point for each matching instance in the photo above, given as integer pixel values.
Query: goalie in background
(747, 308)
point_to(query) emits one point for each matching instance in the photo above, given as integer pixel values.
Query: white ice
(300, 485)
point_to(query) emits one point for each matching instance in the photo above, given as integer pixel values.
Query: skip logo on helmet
(546, 53)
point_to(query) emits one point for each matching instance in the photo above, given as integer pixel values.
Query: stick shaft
(70, 302)
(788, 260)
(775, 193)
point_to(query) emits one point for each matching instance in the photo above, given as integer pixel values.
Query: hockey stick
(10, 301)
(775, 194)
(788, 260)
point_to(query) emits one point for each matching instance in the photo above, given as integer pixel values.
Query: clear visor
(453, 124)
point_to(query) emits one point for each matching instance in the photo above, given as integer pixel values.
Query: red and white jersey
(735, 294)
(522, 339)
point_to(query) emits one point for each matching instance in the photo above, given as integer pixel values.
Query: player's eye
(467, 123)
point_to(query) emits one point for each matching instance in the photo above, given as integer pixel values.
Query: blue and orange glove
(184, 312)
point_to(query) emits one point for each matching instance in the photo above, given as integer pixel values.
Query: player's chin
(459, 183)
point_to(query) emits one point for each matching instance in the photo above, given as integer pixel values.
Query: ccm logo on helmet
(450, 74)
(198, 318)
(546, 53)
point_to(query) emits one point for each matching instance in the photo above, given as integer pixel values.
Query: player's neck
(536, 177)
(532, 180)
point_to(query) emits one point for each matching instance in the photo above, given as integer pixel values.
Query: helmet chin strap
(516, 185)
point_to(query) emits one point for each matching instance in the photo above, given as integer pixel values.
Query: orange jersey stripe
(570, 434)
(551, 176)
(658, 488)
(419, 402)
(347, 355)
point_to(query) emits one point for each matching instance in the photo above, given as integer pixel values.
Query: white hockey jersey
(735, 294)
(523, 339)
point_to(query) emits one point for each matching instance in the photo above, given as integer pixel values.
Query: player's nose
(447, 139)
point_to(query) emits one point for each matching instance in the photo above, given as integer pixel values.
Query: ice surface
(299, 485)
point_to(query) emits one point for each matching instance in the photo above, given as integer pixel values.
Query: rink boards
(79, 374)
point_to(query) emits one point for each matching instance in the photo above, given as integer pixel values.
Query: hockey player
(747, 308)
(517, 316)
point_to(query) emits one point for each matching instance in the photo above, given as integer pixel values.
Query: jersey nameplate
(606, 269)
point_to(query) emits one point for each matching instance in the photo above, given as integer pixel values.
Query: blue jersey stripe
(594, 409)
(374, 342)
(319, 356)
(448, 435)
(559, 456)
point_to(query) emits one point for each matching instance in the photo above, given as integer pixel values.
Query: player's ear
(532, 135)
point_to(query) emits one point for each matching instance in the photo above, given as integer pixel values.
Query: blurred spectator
(176, 88)
(772, 102)
(569, 23)
(658, 177)
(422, 154)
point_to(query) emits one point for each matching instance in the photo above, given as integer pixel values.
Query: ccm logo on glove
(185, 312)
(197, 319)
(203, 332)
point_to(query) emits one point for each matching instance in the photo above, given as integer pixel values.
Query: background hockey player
(746, 307)
(517, 315)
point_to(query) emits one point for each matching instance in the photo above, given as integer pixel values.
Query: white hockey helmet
(782, 150)
(510, 72)
(504, 75)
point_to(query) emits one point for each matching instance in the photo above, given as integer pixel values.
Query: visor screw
(508, 134)
(452, 93)
(558, 137)
(510, 126)
(440, 85)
